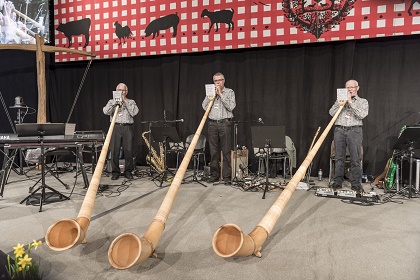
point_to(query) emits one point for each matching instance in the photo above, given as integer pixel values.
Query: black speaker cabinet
(405, 172)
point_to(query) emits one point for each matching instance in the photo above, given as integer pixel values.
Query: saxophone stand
(43, 131)
(164, 134)
(268, 137)
(408, 141)
(151, 168)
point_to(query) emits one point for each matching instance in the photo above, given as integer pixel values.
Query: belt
(348, 127)
(123, 124)
(220, 121)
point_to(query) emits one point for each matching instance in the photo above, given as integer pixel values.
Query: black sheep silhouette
(163, 23)
(74, 28)
(411, 6)
(122, 32)
(223, 16)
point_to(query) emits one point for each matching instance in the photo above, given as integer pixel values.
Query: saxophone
(392, 167)
(158, 162)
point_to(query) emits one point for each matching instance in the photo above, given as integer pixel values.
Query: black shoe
(358, 189)
(227, 181)
(128, 175)
(336, 186)
(212, 180)
(115, 177)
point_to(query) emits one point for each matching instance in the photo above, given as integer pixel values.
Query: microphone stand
(19, 120)
(150, 150)
(235, 180)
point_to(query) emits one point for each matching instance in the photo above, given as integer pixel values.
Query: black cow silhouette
(122, 32)
(411, 6)
(74, 28)
(163, 23)
(223, 16)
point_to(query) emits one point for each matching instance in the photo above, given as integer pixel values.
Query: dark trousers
(352, 138)
(122, 136)
(219, 137)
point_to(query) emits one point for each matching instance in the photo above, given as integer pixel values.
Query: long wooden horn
(128, 249)
(66, 233)
(230, 241)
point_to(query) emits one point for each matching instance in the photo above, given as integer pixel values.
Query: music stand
(268, 137)
(195, 167)
(408, 141)
(41, 130)
(164, 134)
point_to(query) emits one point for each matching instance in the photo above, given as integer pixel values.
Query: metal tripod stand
(408, 140)
(194, 177)
(43, 198)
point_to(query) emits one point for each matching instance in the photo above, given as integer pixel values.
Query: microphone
(181, 120)
(260, 120)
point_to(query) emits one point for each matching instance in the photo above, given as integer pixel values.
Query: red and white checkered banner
(125, 28)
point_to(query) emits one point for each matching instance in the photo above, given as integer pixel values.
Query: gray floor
(315, 237)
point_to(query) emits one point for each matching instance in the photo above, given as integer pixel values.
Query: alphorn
(230, 241)
(128, 249)
(66, 233)
(37, 24)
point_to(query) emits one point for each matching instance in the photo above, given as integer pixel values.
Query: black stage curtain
(292, 85)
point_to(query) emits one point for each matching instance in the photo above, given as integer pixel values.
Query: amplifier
(405, 172)
(241, 167)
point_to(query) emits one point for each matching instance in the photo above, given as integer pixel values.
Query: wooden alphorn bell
(66, 233)
(230, 241)
(128, 249)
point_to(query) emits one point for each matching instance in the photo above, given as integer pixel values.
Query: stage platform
(315, 237)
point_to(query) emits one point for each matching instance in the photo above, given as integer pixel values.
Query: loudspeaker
(241, 168)
(405, 173)
(3, 263)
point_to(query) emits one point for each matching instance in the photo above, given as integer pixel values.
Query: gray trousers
(219, 137)
(122, 136)
(352, 138)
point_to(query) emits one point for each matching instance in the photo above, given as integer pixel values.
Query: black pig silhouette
(162, 23)
(74, 28)
(223, 16)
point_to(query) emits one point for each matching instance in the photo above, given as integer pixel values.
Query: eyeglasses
(121, 89)
(219, 80)
(352, 87)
